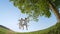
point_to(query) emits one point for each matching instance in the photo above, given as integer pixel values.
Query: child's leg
(26, 27)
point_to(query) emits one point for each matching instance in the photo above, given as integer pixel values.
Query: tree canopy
(35, 8)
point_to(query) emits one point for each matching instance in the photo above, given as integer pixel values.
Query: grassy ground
(4, 30)
(51, 30)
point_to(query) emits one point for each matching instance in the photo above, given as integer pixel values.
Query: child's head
(21, 18)
(25, 18)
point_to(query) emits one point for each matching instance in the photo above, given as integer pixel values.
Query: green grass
(4, 30)
(51, 30)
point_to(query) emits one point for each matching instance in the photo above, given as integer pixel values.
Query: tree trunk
(55, 11)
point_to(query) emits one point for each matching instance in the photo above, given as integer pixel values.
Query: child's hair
(21, 18)
(25, 18)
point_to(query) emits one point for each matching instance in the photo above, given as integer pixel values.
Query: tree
(35, 8)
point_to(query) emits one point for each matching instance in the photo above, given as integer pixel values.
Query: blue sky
(9, 16)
